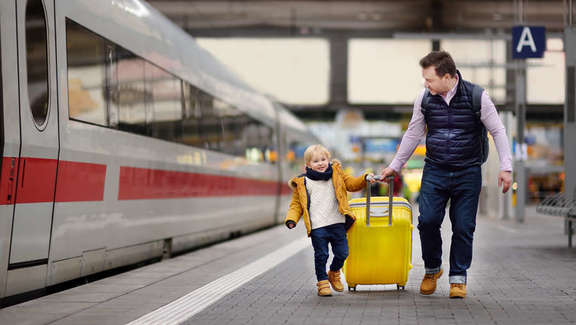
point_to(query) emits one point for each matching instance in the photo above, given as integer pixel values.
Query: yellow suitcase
(380, 247)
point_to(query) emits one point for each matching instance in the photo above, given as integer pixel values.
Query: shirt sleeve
(412, 136)
(491, 120)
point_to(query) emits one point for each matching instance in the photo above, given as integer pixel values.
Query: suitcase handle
(390, 197)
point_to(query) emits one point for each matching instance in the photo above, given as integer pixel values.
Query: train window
(191, 117)
(111, 86)
(37, 61)
(165, 104)
(295, 155)
(231, 120)
(259, 141)
(87, 55)
(244, 135)
(130, 93)
(211, 124)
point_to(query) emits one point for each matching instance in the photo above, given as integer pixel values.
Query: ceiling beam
(393, 15)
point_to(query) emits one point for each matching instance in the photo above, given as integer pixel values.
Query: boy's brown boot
(428, 285)
(324, 288)
(334, 279)
(457, 290)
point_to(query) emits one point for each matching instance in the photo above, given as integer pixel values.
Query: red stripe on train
(8, 180)
(77, 181)
(143, 183)
(36, 180)
(80, 182)
(285, 189)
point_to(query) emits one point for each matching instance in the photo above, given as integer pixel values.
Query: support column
(435, 45)
(505, 207)
(508, 120)
(520, 109)
(520, 154)
(338, 72)
(570, 114)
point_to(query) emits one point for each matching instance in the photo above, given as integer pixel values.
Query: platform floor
(521, 274)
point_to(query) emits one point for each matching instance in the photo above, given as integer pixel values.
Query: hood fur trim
(292, 183)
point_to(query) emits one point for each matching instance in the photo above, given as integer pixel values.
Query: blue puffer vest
(454, 133)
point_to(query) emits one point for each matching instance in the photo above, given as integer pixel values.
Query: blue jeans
(462, 188)
(335, 235)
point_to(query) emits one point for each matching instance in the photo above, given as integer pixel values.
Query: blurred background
(350, 70)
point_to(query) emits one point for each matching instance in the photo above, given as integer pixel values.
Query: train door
(38, 157)
(9, 132)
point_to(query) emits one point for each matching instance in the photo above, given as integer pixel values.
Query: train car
(123, 141)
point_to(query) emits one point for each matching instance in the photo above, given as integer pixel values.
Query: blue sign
(381, 145)
(528, 42)
(355, 139)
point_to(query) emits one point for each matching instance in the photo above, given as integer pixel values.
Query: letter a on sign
(528, 42)
(526, 39)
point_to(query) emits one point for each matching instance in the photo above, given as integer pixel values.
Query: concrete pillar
(338, 72)
(520, 176)
(570, 114)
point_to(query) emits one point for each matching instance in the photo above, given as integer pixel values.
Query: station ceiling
(385, 16)
(336, 19)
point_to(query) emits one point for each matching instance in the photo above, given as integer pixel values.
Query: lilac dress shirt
(417, 129)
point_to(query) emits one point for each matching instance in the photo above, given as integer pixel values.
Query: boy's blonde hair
(315, 148)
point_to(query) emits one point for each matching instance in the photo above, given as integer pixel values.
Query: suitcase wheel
(350, 289)
(399, 287)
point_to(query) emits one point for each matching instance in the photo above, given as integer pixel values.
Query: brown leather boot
(324, 288)
(428, 285)
(457, 290)
(334, 279)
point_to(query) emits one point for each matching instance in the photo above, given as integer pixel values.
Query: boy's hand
(370, 178)
(290, 224)
(373, 178)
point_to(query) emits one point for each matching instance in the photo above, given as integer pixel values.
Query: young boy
(327, 216)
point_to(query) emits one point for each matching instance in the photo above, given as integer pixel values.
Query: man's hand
(505, 180)
(387, 172)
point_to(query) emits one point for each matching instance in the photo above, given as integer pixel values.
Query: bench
(559, 205)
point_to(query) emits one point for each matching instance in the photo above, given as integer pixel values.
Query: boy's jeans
(335, 235)
(462, 187)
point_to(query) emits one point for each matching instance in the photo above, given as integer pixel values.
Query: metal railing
(559, 205)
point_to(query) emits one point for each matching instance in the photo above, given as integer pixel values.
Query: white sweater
(323, 203)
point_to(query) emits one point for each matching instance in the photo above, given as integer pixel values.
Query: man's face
(319, 162)
(434, 83)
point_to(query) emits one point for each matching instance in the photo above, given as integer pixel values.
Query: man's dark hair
(442, 61)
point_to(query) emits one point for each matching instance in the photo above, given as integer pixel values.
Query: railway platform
(521, 274)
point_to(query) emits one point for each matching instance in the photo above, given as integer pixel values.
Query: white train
(123, 141)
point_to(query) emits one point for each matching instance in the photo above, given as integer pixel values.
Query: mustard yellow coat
(342, 183)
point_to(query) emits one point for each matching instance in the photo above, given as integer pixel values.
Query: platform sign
(528, 42)
(381, 145)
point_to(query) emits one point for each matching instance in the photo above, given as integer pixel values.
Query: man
(454, 155)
